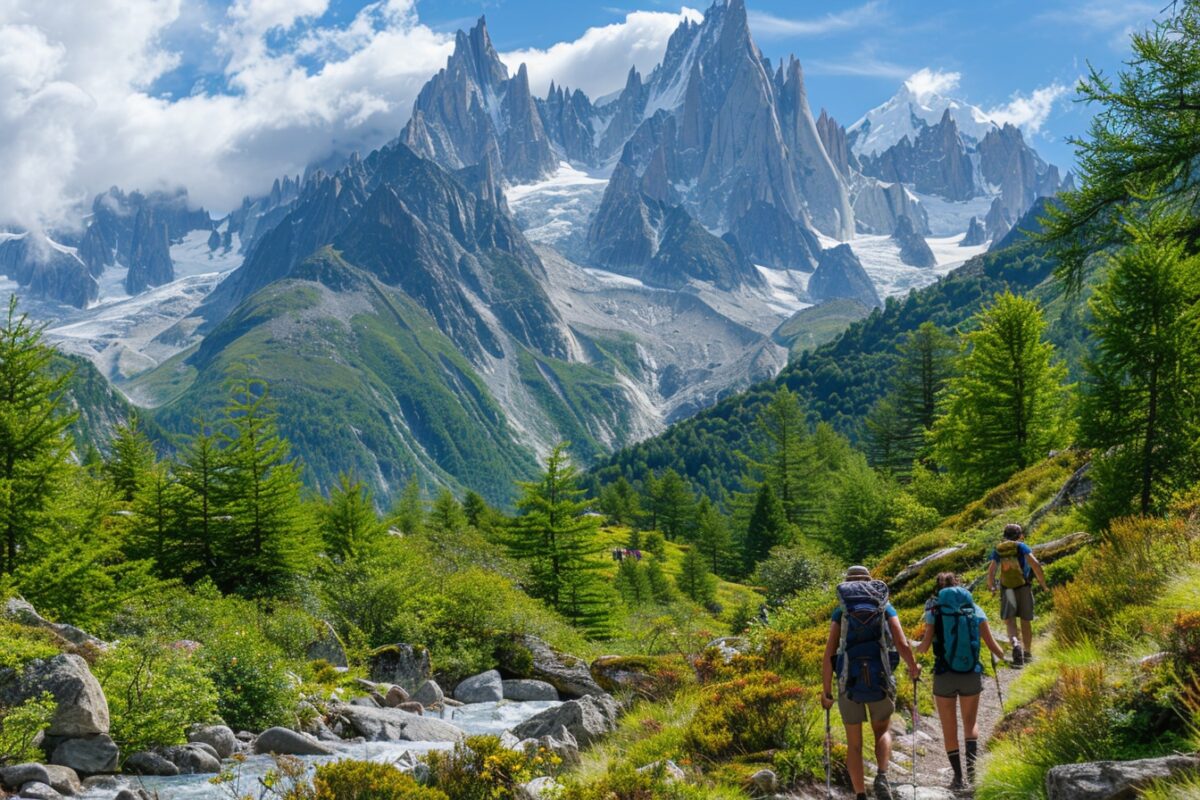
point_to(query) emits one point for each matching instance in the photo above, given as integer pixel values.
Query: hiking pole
(996, 675)
(828, 758)
(916, 720)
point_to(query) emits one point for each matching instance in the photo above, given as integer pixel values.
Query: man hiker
(1016, 565)
(865, 645)
(956, 628)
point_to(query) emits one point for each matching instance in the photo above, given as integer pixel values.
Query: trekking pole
(828, 758)
(916, 720)
(996, 675)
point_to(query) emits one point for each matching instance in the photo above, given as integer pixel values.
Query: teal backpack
(956, 631)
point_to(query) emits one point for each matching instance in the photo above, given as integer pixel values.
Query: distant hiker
(954, 627)
(1015, 562)
(865, 646)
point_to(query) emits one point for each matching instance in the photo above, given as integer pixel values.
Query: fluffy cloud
(1029, 112)
(926, 83)
(79, 112)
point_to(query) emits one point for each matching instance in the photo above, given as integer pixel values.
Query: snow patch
(788, 289)
(948, 218)
(880, 257)
(613, 278)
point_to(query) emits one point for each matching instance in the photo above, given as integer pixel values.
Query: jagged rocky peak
(1007, 162)
(569, 120)
(998, 221)
(833, 138)
(975, 236)
(914, 250)
(878, 206)
(47, 269)
(471, 111)
(150, 254)
(840, 274)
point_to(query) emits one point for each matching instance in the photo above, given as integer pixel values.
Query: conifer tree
(695, 581)
(559, 542)
(619, 502)
(478, 513)
(156, 507)
(767, 528)
(1140, 405)
(202, 517)
(633, 584)
(132, 458)
(661, 587)
(1008, 406)
(446, 514)
(34, 443)
(786, 457)
(409, 513)
(349, 525)
(713, 539)
(674, 505)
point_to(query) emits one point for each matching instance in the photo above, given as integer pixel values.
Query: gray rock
(428, 694)
(192, 759)
(914, 250)
(839, 273)
(538, 788)
(82, 709)
(400, 664)
(975, 235)
(286, 742)
(87, 755)
(37, 790)
(64, 779)
(562, 744)
(412, 707)
(148, 763)
(527, 689)
(327, 647)
(104, 783)
(568, 674)
(394, 725)
(671, 772)
(395, 696)
(1114, 780)
(219, 737)
(486, 687)
(587, 719)
(18, 775)
(765, 780)
(366, 701)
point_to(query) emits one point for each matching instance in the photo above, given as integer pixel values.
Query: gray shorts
(958, 684)
(1017, 603)
(856, 713)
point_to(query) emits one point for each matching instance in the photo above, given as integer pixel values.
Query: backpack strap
(845, 630)
(885, 646)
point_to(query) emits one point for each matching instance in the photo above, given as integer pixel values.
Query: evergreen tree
(132, 458)
(559, 542)
(674, 505)
(268, 544)
(34, 444)
(713, 539)
(155, 515)
(446, 514)
(768, 527)
(1007, 407)
(649, 501)
(695, 581)
(201, 515)
(619, 502)
(661, 587)
(409, 514)
(348, 523)
(1140, 394)
(633, 584)
(786, 457)
(479, 515)
(860, 514)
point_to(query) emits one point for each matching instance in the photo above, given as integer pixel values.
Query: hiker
(954, 628)
(1015, 562)
(865, 645)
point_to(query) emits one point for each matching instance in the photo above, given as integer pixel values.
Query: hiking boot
(883, 789)
(1018, 657)
(957, 785)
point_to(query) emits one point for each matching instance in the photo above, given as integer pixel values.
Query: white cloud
(926, 83)
(598, 62)
(77, 114)
(766, 25)
(1029, 112)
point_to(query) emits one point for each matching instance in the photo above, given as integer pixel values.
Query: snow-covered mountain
(916, 106)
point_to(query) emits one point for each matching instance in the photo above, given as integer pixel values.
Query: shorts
(1017, 602)
(856, 713)
(958, 684)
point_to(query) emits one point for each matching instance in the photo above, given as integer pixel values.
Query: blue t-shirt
(837, 613)
(1022, 551)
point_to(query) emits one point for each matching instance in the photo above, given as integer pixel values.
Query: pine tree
(34, 444)
(674, 505)
(767, 528)
(1140, 393)
(661, 587)
(479, 515)
(268, 544)
(446, 514)
(860, 513)
(619, 502)
(695, 581)
(559, 542)
(1007, 407)
(714, 540)
(156, 507)
(348, 523)
(202, 516)
(132, 458)
(633, 584)
(409, 513)
(786, 457)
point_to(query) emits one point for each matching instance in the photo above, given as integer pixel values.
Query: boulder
(587, 719)
(412, 707)
(765, 780)
(286, 742)
(562, 744)
(395, 696)
(192, 759)
(20, 610)
(64, 779)
(149, 763)
(87, 755)
(400, 664)
(486, 687)
(538, 788)
(366, 701)
(220, 738)
(82, 710)
(527, 689)
(1114, 780)
(37, 790)
(18, 775)
(530, 657)
(394, 725)
(646, 676)
(428, 694)
(327, 647)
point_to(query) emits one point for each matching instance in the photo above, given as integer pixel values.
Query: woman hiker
(954, 628)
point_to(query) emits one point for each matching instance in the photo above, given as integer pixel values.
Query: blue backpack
(865, 657)
(956, 631)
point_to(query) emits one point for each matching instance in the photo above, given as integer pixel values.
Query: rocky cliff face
(914, 250)
(47, 269)
(840, 274)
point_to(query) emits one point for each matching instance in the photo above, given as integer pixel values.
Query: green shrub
(481, 768)
(154, 693)
(254, 690)
(788, 570)
(366, 780)
(20, 644)
(20, 727)
(753, 714)
(624, 782)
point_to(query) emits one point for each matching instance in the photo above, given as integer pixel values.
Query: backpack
(865, 657)
(956, 631)
(1012, 565)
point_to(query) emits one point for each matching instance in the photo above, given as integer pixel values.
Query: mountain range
(511, 270)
